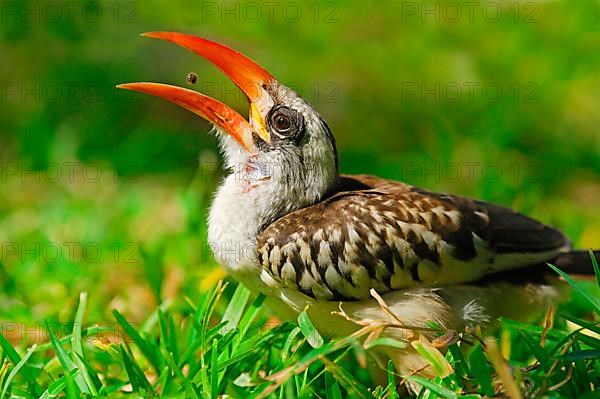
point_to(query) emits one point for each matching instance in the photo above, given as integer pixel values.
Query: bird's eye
(286, 123)
(281, 122)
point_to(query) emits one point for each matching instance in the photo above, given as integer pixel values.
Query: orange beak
(250, 77)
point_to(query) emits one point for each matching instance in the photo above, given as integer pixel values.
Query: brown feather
(377, 233)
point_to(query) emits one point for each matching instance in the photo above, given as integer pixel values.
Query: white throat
(234, 223)
(261, 189)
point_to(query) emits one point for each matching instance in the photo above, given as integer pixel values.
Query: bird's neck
(251, 198)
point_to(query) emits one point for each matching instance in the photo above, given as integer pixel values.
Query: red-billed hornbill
(287, 224)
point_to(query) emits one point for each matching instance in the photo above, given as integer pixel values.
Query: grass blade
(17, 368)
(433, 387)
(594, 327)
(434, 357)
(168, 334)
(332, 387)
(313, 337)
(459, 363)
(67, 363)
(58, 386)
(214, 382)
(481, 370)
(149, 350)
(236, 307)
(595, 266)
(247, 321)
(595, 302)
(502, 369)
(78, 347)
(385, 341)
(14, 357)
(138, 379)
(347, 380)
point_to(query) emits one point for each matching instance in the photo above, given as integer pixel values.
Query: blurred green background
(106, 191)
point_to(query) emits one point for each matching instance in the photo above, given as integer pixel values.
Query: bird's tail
(577, 262)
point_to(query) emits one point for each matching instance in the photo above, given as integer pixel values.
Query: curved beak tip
(129, 86)
(152, 34)
(245, 73)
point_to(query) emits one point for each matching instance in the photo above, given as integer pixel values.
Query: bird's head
(285, 146)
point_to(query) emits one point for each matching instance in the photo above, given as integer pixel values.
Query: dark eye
(281, 122)
(286, 123)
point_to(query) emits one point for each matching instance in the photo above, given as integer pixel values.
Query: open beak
(250, 77)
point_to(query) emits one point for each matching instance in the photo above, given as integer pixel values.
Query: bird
(357, 249)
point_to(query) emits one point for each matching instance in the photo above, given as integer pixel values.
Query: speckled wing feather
(377, 233)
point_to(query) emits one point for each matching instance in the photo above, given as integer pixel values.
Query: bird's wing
(377, 233)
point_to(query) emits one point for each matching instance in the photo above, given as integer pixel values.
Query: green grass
(204, 349)
(222, 343)
(157, 321)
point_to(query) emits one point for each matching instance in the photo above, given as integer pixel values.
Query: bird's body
(416, 248)
(370, 233)
(388, 236)
(287, 224)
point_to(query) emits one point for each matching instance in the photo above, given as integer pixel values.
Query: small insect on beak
(191, 78)
(250, 77)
